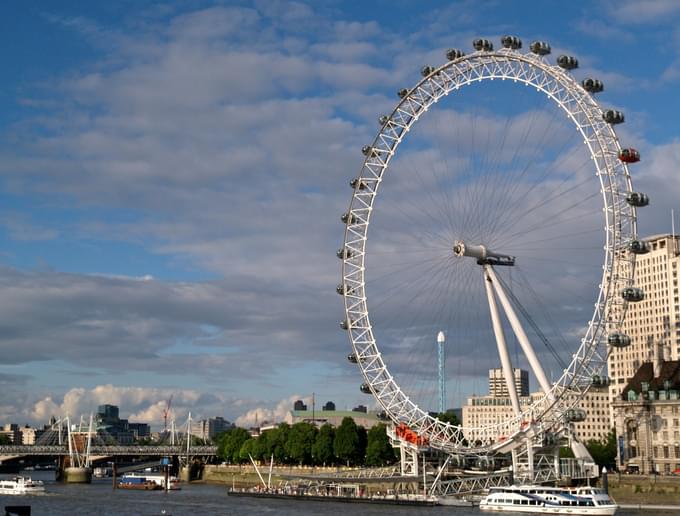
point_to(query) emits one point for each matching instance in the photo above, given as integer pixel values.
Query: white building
(654, 320)
(482, 412)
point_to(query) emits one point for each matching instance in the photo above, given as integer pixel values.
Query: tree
(277, 443)
(379, 451)
(5, 440)
(346, 443)
(322, 450)
(448, 417)
(229, 447)
(300, 441)
(604, 454)
(247, 449)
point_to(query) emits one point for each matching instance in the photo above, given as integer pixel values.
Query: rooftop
(670, 372)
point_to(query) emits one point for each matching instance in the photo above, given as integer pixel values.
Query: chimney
(658, 358)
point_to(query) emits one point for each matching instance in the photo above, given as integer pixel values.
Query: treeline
(305, 444)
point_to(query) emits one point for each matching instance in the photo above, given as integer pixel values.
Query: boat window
(515, 502)
(525, 502)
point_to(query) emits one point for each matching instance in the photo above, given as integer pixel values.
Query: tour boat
(156, 478)
(21, 486)
(549, 500)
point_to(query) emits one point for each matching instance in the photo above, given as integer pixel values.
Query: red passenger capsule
(629, 156)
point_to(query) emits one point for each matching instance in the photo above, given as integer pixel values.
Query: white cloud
(278, 414)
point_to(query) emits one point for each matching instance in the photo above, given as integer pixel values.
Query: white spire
(440, 337)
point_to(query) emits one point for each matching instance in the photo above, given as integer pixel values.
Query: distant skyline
(172, 177)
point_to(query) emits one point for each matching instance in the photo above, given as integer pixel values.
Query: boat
(139, 483)
(549, 500)
(156, 478)
(21, 486)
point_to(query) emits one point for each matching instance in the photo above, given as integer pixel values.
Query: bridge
(15, 451)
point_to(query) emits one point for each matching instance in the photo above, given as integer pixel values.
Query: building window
(666, 454)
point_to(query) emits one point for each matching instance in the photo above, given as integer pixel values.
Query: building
(654, 319)
(29, 435)
(481, 412)
(124, 432)
(360, 415)
(299, 405)
(330, 406)
(498, 387)
(647, 418)
(207, 429)
(12, 432)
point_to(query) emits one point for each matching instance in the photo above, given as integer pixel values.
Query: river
(100, 499)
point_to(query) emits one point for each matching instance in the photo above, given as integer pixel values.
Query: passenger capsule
(483, 44)
(453, 53)
(637, 199)
(629, 155)
(357, 183)
(365, 388)
(540, 48)
(383, 119)
(575, 415)
(368, 151)
(348, 218)
(638, 247)
(344, 324)
(402, 93)
(567, 62)
(426, 70)
(618, 340)
(600, 381)
(344, 253)
(344, 290)
(512, 42)
(611, 116)
(382, 415)
(353, 358)
(592, 85)
(633, 294)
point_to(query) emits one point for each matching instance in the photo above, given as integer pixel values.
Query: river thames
(206, 499)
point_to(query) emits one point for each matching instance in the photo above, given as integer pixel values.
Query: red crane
(166, 411)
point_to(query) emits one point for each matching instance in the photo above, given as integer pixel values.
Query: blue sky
(172, 175)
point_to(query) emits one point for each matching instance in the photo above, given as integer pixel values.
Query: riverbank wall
(645, 489)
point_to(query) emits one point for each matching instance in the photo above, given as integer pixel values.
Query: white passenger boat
(21, 486)
(549, 500)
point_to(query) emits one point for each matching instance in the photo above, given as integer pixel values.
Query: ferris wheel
(496, 217)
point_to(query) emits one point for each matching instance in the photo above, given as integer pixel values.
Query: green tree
(247, 449)
(322, 450)
(5, 440)
(448, 417)
(229, 447)
(300, 441)
(274, 442)
(379, 451)
(347, 441)
(604, 453)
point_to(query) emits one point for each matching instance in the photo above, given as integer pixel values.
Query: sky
(172, 176)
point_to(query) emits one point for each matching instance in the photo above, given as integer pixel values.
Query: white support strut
(519, 332)
(500, 341)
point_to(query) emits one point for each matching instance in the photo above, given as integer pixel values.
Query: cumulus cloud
(222, 140)
(280, 413)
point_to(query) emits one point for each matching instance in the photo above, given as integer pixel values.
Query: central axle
(483, 255)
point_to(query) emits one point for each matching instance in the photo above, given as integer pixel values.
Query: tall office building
(498, 387)
(651, 324)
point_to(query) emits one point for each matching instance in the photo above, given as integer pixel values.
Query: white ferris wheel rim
(620, 229)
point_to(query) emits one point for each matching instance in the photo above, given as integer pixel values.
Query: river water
(100, 499)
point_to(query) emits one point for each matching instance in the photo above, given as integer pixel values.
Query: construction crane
(166, 411)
